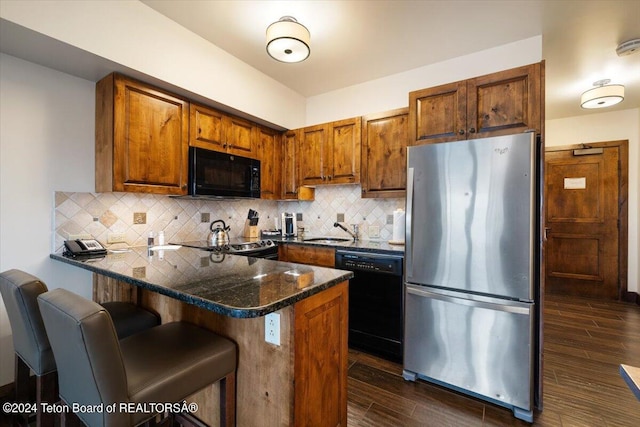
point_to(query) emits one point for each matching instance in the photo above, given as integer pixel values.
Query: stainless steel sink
(326, 240)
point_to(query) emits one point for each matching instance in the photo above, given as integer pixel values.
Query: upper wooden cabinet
(329, 153)
(496, 104)
(290, 164)
(141, 138)
(214, 130)
(269, 149)
(384, 154)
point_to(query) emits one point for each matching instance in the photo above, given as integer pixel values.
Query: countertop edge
(236, 312)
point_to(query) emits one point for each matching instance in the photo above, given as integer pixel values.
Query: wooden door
(150, 140)
(438, 114)
(206, 128)
(290, 165)
(504, 103)
(239, 136)
(344, 153)
(269, 150)
(321, 358)
(312, 153)
(384, 154)
(583, 201)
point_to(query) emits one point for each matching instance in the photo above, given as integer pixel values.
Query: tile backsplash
(102, 215)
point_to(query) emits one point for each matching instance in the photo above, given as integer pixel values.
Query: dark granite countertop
(232, 285)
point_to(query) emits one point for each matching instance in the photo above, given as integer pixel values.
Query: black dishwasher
(375, 302)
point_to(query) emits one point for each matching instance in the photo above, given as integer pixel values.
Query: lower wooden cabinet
(321, 322)
(384, 154)
(313, 255)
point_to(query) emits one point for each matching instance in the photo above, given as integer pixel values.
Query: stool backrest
(87, 352)
(20, 291)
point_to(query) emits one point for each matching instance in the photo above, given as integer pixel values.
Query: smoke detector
(628, 47)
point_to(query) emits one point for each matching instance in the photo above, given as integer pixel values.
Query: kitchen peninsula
(303, 380)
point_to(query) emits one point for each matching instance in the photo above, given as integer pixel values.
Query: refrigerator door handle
(409, 224)
(509, 308)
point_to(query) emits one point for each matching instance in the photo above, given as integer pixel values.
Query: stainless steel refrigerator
(471, 269)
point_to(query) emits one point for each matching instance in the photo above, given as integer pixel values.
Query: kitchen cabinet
(501, 103)
(214, 130)
(141, 138)
(304, 254)
(291, 189)
(269, 151)
(321, 358)
(384, 154)
(329, 153)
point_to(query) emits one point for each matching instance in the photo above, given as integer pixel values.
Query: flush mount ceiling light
(288, 40)
(603, 95)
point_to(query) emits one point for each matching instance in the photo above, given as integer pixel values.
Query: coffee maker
(289, 226)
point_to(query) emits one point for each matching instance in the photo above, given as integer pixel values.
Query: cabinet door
(150, 140)
(321, 358)
(313, 255)
(239, 136)
(312, 152)
(504, 103)
(438, 114)
(206, 128)
(290, 165)
(268, 148)
(384, 154)
(344, 152)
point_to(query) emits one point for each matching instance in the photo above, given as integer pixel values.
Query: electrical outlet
(272, 328)
(116, 238)
(139, 217)
(205, 217)
(390, 219)
(340, 217)
(374, 231)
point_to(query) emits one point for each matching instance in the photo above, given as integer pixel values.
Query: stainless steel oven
(375, 302)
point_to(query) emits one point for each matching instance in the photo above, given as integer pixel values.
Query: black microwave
(216, 174)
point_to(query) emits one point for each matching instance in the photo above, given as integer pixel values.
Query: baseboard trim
(631, 297)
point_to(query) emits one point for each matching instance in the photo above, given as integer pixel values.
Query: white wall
(601, 127)
(393, 91)
(46, 144)
(134, 35)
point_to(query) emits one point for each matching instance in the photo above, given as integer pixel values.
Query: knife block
(250, 231)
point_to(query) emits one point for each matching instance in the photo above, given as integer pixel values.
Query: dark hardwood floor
(585, 342)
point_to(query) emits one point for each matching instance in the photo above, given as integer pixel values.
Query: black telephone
(84, 248)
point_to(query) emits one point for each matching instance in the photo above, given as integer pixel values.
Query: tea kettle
(219, 235)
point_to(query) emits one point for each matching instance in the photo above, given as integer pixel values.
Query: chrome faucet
(353, 233)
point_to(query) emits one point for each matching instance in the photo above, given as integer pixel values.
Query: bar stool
(32, 349)
(164, 364)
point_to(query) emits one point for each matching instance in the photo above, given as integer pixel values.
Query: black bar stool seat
(163, 364)
(20, 291)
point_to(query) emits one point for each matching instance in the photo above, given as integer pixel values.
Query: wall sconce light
(288, 40)
(603, 95)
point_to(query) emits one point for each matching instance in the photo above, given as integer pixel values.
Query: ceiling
(357, 41)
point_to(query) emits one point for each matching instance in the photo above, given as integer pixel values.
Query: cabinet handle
(472, 130)
(224, 145)
(461, 132)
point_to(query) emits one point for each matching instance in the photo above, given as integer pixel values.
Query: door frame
(623, 208)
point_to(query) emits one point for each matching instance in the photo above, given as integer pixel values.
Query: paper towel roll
(398, 227)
